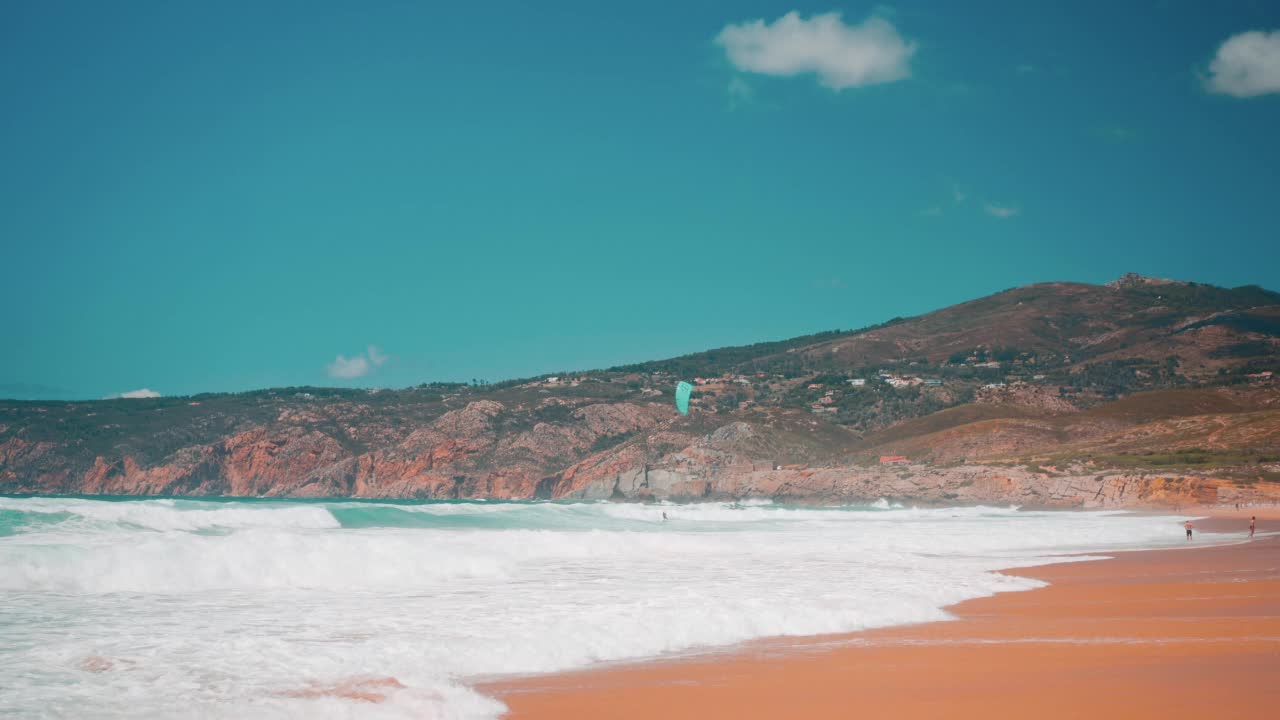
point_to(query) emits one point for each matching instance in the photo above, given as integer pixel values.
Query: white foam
(280, 599)
(167, 514)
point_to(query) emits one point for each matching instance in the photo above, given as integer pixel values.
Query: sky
(210, 197)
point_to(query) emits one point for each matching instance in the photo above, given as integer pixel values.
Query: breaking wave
(233, 608)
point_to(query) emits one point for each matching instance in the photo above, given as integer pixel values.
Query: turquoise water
(459, 514)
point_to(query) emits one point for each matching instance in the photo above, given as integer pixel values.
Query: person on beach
(1253, 525)
(664, 517)
(1188, 526)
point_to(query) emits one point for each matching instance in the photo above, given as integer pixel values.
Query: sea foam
(175, 608)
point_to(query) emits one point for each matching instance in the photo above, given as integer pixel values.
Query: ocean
(174, 608)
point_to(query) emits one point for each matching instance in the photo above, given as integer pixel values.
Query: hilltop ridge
(1036, 386)
(1131, 280)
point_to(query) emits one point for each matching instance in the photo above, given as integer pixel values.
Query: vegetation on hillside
(1008, 365)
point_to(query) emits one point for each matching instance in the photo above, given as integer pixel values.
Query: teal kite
(683, 391)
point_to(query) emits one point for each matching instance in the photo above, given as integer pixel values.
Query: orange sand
(1158, 634)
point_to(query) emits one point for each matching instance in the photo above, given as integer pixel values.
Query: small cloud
(1003, 212)
(740, 92)
(1025, 69)
(828, 283)
(842, 56)
(1246, 65)
(345, 368)
(957, 197)
(134, 394)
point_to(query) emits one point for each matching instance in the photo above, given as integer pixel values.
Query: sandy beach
(1153, 634)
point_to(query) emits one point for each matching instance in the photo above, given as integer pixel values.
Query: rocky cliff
(1066, 395)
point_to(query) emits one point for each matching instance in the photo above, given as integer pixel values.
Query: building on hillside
(894, 460)
(932, 381)
(857, 382)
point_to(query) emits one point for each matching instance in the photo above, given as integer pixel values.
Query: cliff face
(481, 449)
(971, 484)
(1145, 393)
(642, 451)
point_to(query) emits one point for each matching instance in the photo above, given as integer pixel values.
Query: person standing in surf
(1188, 526)
(1253, 525)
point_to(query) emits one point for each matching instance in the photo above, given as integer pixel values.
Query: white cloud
(740, 92)
(1003, 212)
(1247, 65)
(346, 368)
(841, 55)
(134, 394)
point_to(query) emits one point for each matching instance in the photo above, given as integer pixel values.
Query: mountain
(1141, 391)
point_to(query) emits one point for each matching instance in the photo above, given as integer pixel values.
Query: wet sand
(1191, 633)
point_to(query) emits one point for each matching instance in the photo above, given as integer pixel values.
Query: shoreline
(1171, 632)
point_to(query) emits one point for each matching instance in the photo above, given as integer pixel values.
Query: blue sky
(227, 196)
